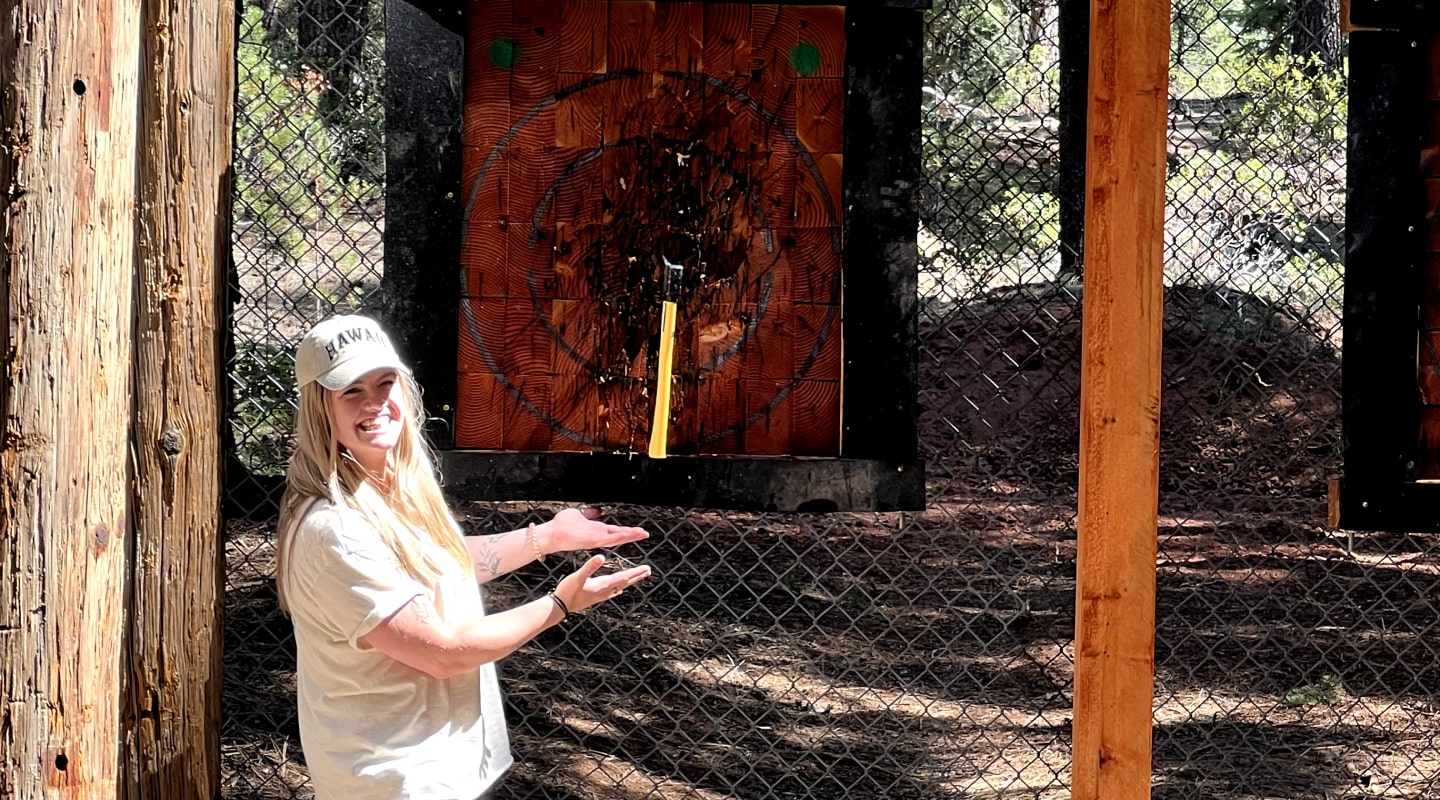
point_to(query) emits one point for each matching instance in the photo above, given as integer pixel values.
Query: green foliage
(1032, 82)
(1252, 227)
(1205, 49)
(1265, 23)
(1326, 691)
(1227, 182)
(264, 376)
(992, 75)
(995, 219)
(1295, 114)
(294, 160)
(965, 51)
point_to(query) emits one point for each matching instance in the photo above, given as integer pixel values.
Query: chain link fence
(922, 655)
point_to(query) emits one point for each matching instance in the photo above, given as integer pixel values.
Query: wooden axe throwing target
(604, 140)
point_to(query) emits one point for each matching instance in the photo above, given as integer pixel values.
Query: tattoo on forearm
(487, 558)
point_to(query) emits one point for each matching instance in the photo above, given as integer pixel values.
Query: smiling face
(368, 417)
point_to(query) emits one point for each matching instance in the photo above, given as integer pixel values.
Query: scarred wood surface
(603, 139)
(68, 86)
(1120, 400)
(170, 728)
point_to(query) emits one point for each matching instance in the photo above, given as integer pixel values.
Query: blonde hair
(409, 514)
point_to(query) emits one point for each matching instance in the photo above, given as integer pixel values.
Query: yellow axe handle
(660, 430)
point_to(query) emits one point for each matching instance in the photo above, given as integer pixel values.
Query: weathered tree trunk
(1316, 31)
(68, 84)
(170, 733)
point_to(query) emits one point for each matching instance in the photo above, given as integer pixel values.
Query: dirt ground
(929, 655)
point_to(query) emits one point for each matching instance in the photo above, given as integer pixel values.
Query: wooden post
(68, 88)
(1120, 399)
(171, 728)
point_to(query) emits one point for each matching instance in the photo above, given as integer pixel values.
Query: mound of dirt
(1250, 395)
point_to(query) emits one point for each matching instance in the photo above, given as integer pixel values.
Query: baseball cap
(336, 352)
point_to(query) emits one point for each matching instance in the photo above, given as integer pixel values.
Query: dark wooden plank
(1430, 313)
(1429, 468)
(527, 414)
(1428, 370)
(817, 342)
(818, 184)
(489, 54)
(1384, 233)
(1432, 212)
(766, 484)
(882, 170)
(478, 423)
(821, 27)
(423, 280)
(629, 44)
(1407, 508)
(1073, 112)
(485, 260)
(573, 339)
(770, 351)
(679, 37)
(451, 14)
(579, 116)
(773, 176)
(1431, 44)
(574, 403)
(816, 262)
(815, 419)
(537, 31)
(820, 114)
(725, 50)
(774, 33)
(768, 417)
(721, 406)
(1399, 15)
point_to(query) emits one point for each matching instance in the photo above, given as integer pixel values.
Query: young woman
(397, 688)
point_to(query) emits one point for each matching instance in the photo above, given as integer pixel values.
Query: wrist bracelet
(534, 542)
(560, 604)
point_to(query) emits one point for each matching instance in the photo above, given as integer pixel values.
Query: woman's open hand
(582, 588)
(581, 529)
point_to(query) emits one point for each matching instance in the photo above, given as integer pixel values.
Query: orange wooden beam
(1120, 399)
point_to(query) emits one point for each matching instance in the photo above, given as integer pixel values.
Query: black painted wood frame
(879, 467)
(1384, 262)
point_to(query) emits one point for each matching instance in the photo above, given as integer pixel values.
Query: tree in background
(1306, 29)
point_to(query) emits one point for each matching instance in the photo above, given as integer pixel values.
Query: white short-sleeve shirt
(371, 727)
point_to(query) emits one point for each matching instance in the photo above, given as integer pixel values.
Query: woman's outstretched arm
(571, 529)
(417, 636)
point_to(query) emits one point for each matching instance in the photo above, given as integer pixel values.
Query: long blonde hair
(409, 514)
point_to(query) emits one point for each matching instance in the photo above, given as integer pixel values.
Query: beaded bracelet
(560, 604)
(534, 542)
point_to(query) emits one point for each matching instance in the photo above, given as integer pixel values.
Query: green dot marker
(504, 53)
(805, 58)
